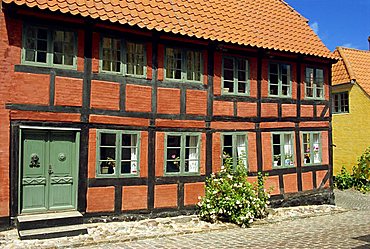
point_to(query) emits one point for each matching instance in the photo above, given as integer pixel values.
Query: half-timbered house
(112, 107)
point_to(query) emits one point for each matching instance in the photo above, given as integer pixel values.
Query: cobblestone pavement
(341, 230)
(344, 226)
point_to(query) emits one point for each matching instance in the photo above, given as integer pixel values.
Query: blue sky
(337, 22)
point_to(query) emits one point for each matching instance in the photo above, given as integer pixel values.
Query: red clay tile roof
(339, 71)
(270, 24)
(355, 64)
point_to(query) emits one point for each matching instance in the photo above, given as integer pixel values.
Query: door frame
(77, 132)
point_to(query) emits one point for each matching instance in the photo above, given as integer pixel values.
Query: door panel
(62, 159)
(33, 173)
(49, 168)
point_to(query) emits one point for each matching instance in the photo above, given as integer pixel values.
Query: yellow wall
(351, 131)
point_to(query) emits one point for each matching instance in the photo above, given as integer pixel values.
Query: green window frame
(117, 153)
(314, 83)
(123, 57)
(340, 102)
(280, 81)
(235, 145)
(183, 65)
(312, 148)
(235, 76)
(50, 47)
(182, 153)
(282, 149)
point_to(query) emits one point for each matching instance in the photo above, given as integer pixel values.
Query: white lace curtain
(133, 154)
(193, 154)
(240, 143)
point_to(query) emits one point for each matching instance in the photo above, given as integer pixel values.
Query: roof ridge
(347, 64)
(355, 49)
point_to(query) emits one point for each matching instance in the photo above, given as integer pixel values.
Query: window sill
(55, 66)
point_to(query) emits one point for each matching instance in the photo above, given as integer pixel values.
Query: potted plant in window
(108, 166)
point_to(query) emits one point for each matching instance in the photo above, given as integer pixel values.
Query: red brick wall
(160, 75)
(246, 109)
(269, 110)
(149, 66)
(144, 154)
(179, 123)
(100, 199)
(307, 183)
(168, 101)
(105, 119)
(134, 197)
(217, 73)
(272, 185)
(159, 158)
(252, 77)
(216, 152)
(306, 110)
(165, 196)
(202, 168)
(30, 89)
(4, 162)
(325, 147)
(290, 183)
(320, 175)
(68, 92)
(289, 110)
(265, 79)
(232, 125)
(44, 116)
(104, 95)
(192, 191)
(196, 102)
(138, 98)
(223, 108)
(95, 53)
(266, 151)
(91, 172)
(252, 152)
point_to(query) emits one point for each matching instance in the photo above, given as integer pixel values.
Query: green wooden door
(48, 170)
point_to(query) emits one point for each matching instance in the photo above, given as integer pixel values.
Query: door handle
(50, 170)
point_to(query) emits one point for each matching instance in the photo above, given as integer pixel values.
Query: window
(311, 148)
(122, 57)
(234, 145)
(183, 65)
(279, 80)
(314, 83)
(235, 76)
(282, 150)
(340, 102)
(48, 47)
(182, 153)
(117, 153)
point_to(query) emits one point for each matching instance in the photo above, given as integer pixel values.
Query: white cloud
(349, 45)
(315, 27)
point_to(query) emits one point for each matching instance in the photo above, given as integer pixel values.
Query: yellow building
(351, 106)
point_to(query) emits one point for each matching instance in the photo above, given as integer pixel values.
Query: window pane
(274, 79)
(228, 140)
(284, 90)
(316, 148)
(242, 76)
(274, 89)
(111, 60)
(193, 64)
(41, 57)
(191, 154)
(274, 68)
(107, 167)
(309, 92)
(276, 150)
(228, 75)
(306, 149)
(228, 87)
(108, 139)
(30, 55)
(125, 167)
(241, 149)
(173, 63)
(242, 87)
(135, 58)
(288, 150)
(228, 63)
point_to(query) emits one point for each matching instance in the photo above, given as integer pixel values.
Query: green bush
(230, 197)
(360, 178)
